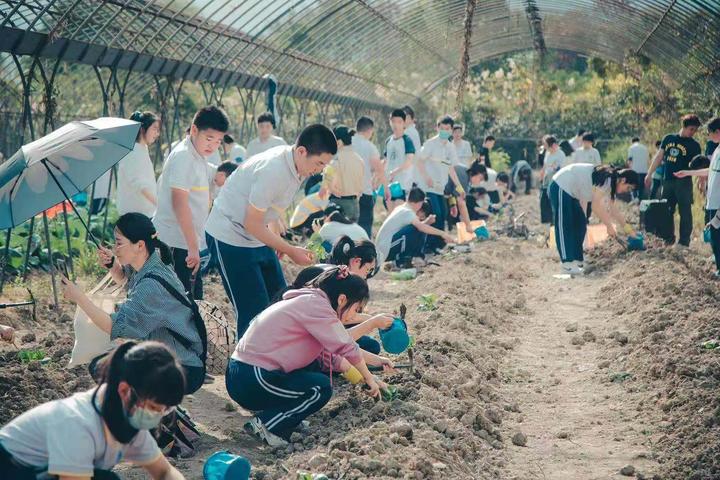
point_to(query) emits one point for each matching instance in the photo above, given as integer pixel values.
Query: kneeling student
(84, 436)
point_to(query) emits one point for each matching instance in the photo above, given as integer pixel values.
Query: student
(462, 146)
(84, 436)
(521, 172)
(577, 141)
(568, 150)
(657, 176)
(345, 174)
(336, 225)
(435, 164)
(570, 191)
(136, 185)
(484, 151)
(184, 196)
(402, 235)
(151, 311)
(254, 197)
(478, 204)
(503, 184)
(638, 161)
(265, 139)
(587, 153)
(367, 150)
(273, 371)
(399, 157)
(712, 202)
(233, 152)
(489, 183)
(676, 151)
(410, 127)
(219, 176)
(554, 159)
(309, 209)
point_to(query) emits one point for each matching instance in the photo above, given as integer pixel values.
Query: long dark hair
(152, 371)
(334, 283)
(135, 227)
(346, 249)
(601, 174)
(566, 148)
(146, 120)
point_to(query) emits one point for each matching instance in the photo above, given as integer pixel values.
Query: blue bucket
(707, 235)
(395, 339)
(226, 466)
(482, 232)
(636, 243)
(396, 191)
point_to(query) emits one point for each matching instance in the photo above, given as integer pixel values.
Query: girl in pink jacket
(274, 369)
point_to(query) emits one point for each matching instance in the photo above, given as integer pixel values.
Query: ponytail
(145, 119)
(602, 173)
(346, 249)
(152, 371)
(135, 227)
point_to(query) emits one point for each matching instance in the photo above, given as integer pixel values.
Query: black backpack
(196, 318)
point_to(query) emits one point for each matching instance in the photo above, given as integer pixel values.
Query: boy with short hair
(638, 161)
(484, 151)
(462, 146)
(223, 171)
(265, 139)
(367, 150)
(676, 151)
(402, 235)
(576, 141)
(399, 156)
(253, 198)
(587, 153)
(184, 195)
(478, 204)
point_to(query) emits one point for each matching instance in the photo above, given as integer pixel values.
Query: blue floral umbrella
(57, 166)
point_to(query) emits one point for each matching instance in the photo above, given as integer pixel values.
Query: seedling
(389, 394)
(428, 302)
(27, 356)
(710, 344)
(620, 377)
(316, 247)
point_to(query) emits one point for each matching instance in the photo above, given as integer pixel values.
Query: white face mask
(144, 419)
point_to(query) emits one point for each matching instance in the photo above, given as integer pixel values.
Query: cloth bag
(90, 340)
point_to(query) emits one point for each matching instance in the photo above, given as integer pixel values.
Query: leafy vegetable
(428, 302)
(389, 394)
(711, 344)
(27, 356)
(315, 246)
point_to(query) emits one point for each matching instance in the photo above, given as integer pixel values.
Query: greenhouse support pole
(50, 259)
(6, 257)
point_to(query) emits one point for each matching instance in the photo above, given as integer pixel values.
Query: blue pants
(369, 344)
(251, 277)
(437, 202)
(406, 244)
(280, 400)
(570, 224)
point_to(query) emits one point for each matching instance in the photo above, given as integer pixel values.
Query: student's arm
(600, 207)
(98, 316)
(378, 170)
(462, 207)
(430, 230)
(181, 208)
(149, 196)
(653, 166)
(161, 469)
(255, 225)
(422, 168)
(703, 172)
(407, 164)
(379, 321)
(376, 360)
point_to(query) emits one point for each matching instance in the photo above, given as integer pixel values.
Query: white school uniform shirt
(396, 149)
(332, 231)
(553, 162)
(215, 158)
(184, 169)
(576, 143)
(639, 157)
(135, 174)
(414, 135)
(68, 437)
(464, 152)
(591, 155)
(237, 154)
(576, 180)
(256, 146)
(268, 181)
(439, 156)
(713, 183)
(367, 150)
(399, 218)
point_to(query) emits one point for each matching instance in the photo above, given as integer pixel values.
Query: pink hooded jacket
(296, 331)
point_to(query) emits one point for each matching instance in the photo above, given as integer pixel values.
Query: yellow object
(460, 190)
(307, 206)
(628, 229)
(353, 376)
(596, 234)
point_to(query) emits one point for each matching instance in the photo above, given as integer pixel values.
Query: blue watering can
(395, 339)
(226, 466)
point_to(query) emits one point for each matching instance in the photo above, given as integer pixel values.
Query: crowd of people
(294, 334)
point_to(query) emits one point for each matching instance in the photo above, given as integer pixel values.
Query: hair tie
(346, 248)
(343, 272)
(154, 236)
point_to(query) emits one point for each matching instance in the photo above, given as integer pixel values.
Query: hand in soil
(7, 333)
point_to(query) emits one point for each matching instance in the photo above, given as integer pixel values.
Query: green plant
(620, 377)
(27, 356)
(710, 344)
(316, 247)
(428, 302)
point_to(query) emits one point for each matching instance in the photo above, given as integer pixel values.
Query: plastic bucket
(636, 243)
(707, 235)
(482, 232)
(226, 466)
(395, 339)
(396, 191)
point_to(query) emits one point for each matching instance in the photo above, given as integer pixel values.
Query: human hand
(316, 225)
(449, 238)
(7, 333)
(469, 229)
(388, 365)
(648, 181)
(106, 259)
(682, 174)
(386, 193)
(430, 219)
(193, 259)
(301, 256)
(611, 231)
(373, 387)
(70, 290)
(382, 321)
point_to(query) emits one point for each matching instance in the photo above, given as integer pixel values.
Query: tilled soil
(500, 388)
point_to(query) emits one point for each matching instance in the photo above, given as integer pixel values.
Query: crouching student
(478, 204)
(84, 436)
(336, 225)
(402, 236)
(274, 369)
(521, 172)
(570, 191)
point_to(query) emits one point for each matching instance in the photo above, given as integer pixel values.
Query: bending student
(570, 191)
(256, 195)
(274, 369)
(84, 436)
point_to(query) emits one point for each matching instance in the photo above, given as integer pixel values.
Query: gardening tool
(22, 304)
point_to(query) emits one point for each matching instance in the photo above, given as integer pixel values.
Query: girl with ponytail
(136, 184)
(570, 191)
(154, 308)
(84, 436)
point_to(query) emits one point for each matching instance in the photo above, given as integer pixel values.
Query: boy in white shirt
(639, 162)
(587, 153)
(374, 170)
(184, 195)
(265, 140)
(554, 160)
(462, 146)
(399, 157)
(234, 152)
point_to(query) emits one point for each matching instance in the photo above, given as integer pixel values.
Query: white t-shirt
(396, 149)
(414, 135)
(464, 152)
(237, 154)
(553, 162)
(367, 150)
(490, 185)
(256, 146)
(136, 173)
(438, 156)
(185, 169)
(591, 155)
(576, 180)
(576, 143)
(399, 218)
(713, 183)
(68, 437)
(331, 231)
(639, 157)
(215, 158)
(268, 181)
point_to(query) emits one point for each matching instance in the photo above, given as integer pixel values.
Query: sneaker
(256, 428)
(571, 268)
(716, 275)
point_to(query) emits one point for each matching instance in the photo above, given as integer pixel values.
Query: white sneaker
(255, 427)
(571, 268)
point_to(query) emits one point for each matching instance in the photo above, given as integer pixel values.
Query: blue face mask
(444, 134)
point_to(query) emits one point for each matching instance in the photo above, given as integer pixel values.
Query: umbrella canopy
(53, 168)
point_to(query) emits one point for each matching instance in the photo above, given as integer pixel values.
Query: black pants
(437, 202)
(11, 470)
(679, 192)
(655, 190)
(185, 274)
(546, 213)
(714, 237)
(494, 196)
(366, 217)
(639, 193)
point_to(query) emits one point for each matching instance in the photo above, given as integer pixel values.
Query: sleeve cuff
(715, 222)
